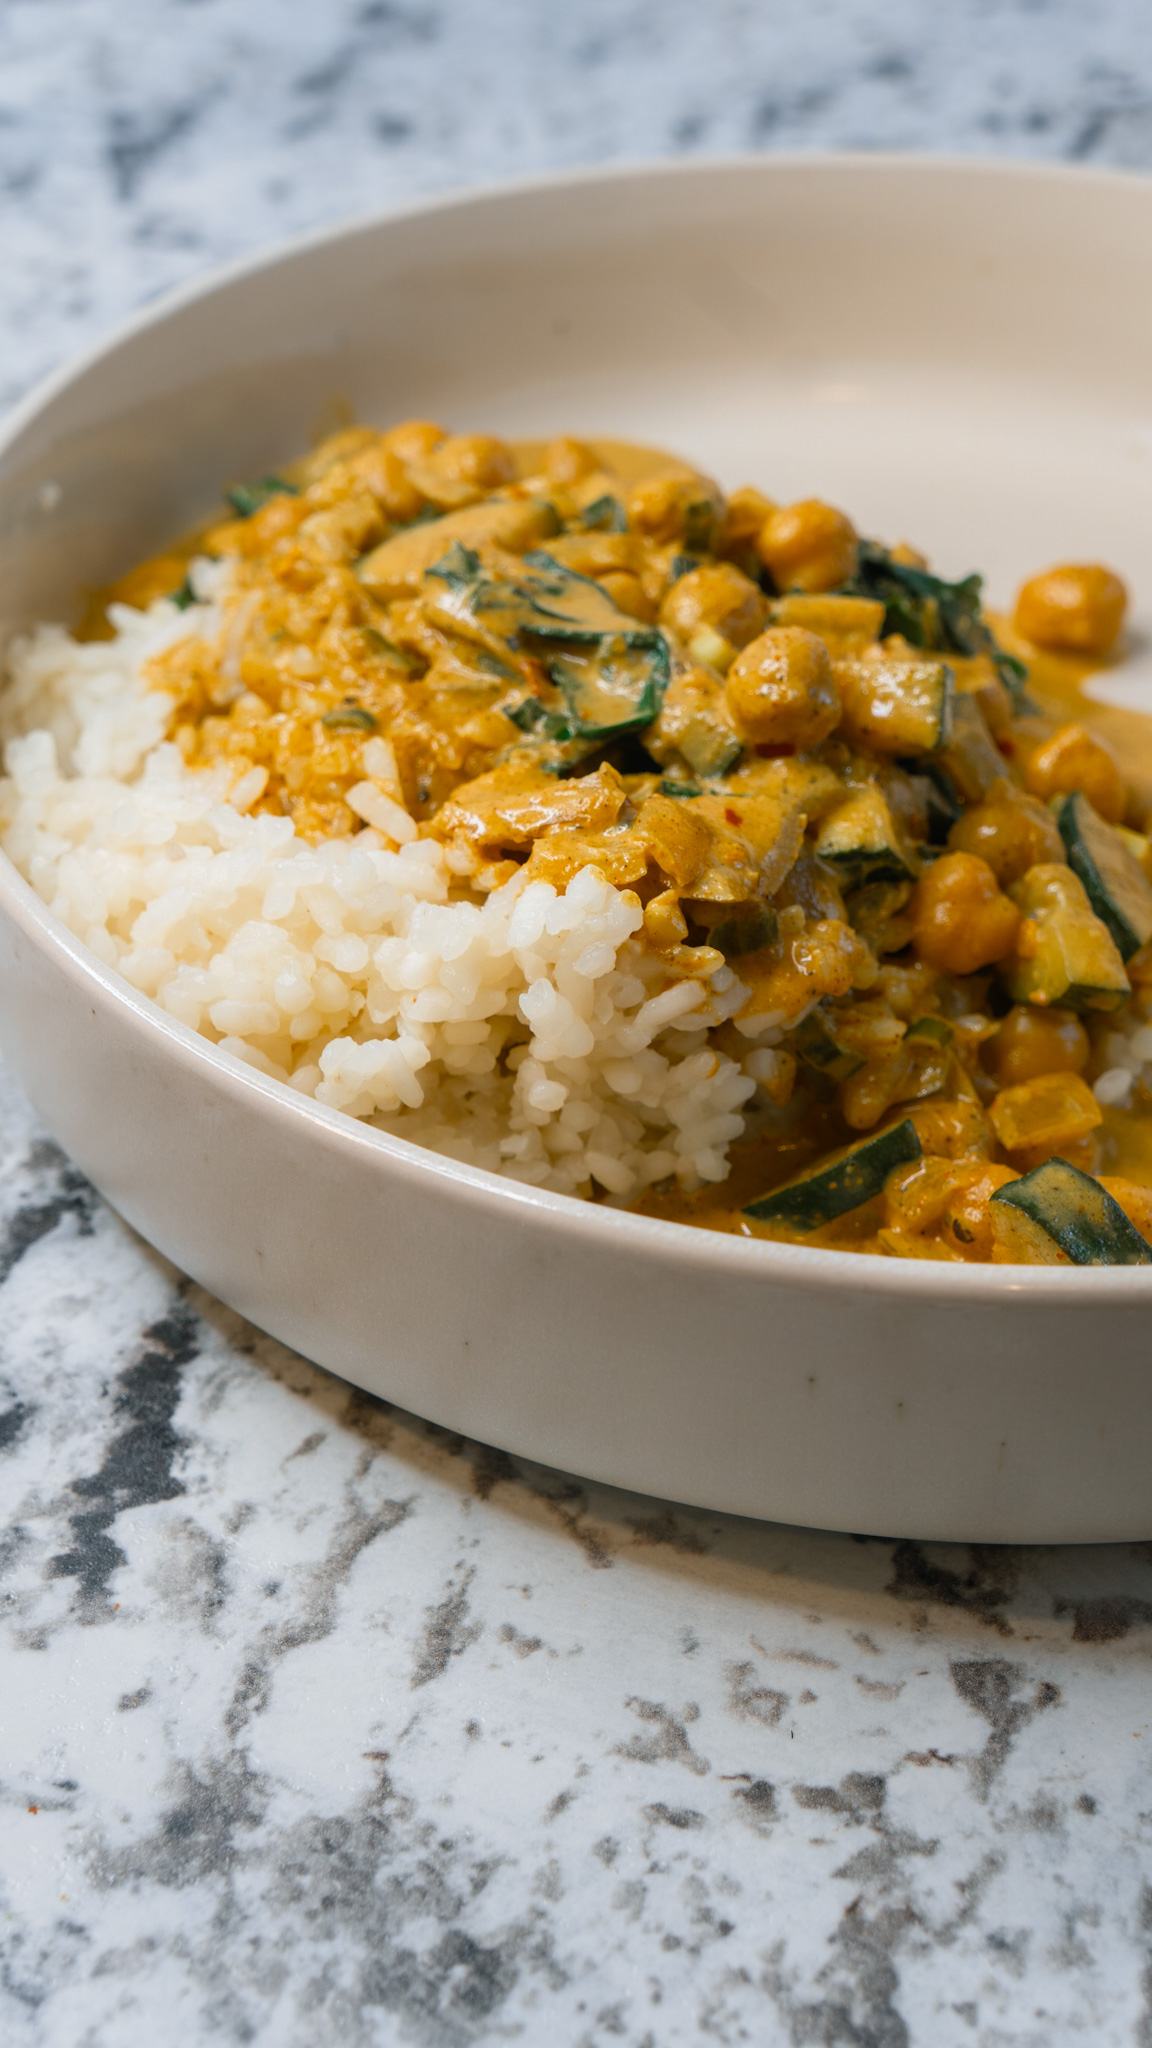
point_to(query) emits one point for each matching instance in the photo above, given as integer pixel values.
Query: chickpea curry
(812, 759)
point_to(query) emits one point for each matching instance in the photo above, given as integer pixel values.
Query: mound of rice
(526, 1031)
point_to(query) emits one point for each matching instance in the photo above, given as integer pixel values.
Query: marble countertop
(317, 1722)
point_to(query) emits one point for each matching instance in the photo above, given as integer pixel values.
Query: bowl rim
(655, 1238)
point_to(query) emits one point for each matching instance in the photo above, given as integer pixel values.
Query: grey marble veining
(320, 1723)
(317, 1723)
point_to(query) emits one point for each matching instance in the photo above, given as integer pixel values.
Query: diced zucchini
(1051, 1110)
(816, 1044)
(971, 758)
(941, 803)
(695, 724)
(841, 1183)
(895, 707)
(932, 613)
(1139, 846)
(845, 624)
(936, 1028)
(1065, 954)
(709, 747)
(1056, 1214)
(746, 929)
(1117, 886)
(861, 841)
(875, 912)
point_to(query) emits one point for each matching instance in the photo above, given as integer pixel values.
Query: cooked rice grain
(526, 1031)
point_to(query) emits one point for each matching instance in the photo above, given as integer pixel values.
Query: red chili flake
(33, 1809)
(767, 751)
(1006, 745)
(732, 817)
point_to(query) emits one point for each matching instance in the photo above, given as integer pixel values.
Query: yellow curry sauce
(806, 755)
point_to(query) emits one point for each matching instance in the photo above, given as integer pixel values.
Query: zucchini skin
(896, 707)
(1079, 1216)
(1117, 889)
(860, 839)
(1075, 961)
(971, 759)
(844, 1184)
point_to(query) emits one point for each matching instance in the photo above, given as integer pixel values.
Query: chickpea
(414, 440)
(675, 506)
(334, 449)
(951, 1130)
(744, 516)
(1072, 759)
(1075, 609)
(627, 594)
(1009, 830)
(342, 531)
(718, 596)
(967, 1217)
(388, 480)
(477, 459)
(960, 919)
(781, 689)
(567, 461)
(808, 546)
(1031, 1042)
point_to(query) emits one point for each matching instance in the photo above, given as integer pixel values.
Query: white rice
(526, 1031)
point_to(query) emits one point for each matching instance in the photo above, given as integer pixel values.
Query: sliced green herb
(249, 498)
(388, 648)
(604, 515)
(682, 565)
(613, 671)
(356, 717)
(557, 604)
(460, 566)
(547, 601)
(930, 612)
(183, 597)
(424, 517)
(493, 665)
(669, 787)
(533, 716)
(613, 687)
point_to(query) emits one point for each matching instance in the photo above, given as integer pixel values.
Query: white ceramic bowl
(957, 352)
